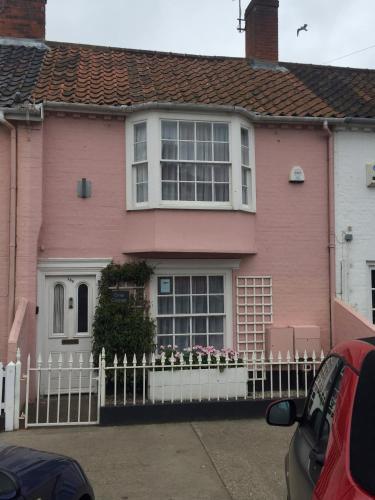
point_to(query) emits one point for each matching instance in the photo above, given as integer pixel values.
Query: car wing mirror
(282, 413)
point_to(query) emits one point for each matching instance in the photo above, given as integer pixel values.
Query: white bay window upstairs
(190, 170)
(190, 162)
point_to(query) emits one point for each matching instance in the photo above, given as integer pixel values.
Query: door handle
(70, 302)
(317, 456)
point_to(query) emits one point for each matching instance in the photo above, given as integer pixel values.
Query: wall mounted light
(84, 188)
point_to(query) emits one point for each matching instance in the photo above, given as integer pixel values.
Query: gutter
(176, 106)
(12, 218)
(331, 228)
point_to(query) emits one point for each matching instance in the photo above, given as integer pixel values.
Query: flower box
(198, 383)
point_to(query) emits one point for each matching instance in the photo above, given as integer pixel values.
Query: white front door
(70, 305)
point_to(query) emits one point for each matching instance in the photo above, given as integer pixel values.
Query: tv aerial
(240, 19)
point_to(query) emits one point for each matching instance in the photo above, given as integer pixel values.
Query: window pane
(199, 284)
(204, 192)
(58, 309)
(244, 137)
(169, 150)
(169, 191)
(216, 341)
(182, 284)
(216, 303)
(221, 173)
(187, 172)
(182, 325)
(142, 193)
(221, 132)
(221, 192)
(199, 304)
(319, 394)
(142, 173)
(245, 197)
(187, 191)
(182, 341)
(373, 278)
(204, 151)
(83, 308)
(165, 326)
(216, 324)
(140, 132)
(169, 172)
(245, 156)
(140, 152)
(204, 131)
(200, 324)
(216, 284)
(204, 173)
(183, 304)
(221, 151)
(168, 130)
(165, 305)
(187, 131)
(186, 150)
(165, 341)
(246, 180)
(200, 340)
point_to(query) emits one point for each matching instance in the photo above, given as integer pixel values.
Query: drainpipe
(331, 228)
(12, 222)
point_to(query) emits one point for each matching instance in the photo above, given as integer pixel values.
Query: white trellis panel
(254, 312)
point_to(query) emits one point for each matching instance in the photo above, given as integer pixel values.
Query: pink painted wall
(4, 236)
(349, 324)
(290, 227)
(29, 219)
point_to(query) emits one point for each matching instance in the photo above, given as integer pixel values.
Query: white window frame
(215, 267)
(154, 160)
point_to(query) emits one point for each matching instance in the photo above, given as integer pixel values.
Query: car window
(322, 399)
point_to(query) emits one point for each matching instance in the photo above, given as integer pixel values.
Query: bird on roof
(302, 28)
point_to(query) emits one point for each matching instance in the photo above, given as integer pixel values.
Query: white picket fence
(169, 381)
(70, 392)
(10, 385)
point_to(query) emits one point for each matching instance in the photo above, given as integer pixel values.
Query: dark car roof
(34, 469)
(19, 460)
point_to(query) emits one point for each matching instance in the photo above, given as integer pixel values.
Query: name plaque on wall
(120, 295)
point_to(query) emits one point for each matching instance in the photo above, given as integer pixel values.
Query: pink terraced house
(218, 171)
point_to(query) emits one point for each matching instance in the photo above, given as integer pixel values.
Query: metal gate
(60, 394)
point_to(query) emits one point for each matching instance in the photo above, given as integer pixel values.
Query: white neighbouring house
(355, 218)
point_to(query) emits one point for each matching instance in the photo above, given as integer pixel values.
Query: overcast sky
(336, 27)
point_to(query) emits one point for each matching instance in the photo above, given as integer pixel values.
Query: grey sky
(336, 27)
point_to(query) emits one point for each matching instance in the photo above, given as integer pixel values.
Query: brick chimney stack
(262, 30)
(23, 19)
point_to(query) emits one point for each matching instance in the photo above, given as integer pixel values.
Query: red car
(332, 452)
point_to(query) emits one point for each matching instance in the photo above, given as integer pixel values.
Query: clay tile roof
(73, 73)
(19, 70)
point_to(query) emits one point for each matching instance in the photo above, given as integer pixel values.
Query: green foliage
(123, 327)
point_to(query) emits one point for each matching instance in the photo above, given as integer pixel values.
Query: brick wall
(23, 18)
(262, 35)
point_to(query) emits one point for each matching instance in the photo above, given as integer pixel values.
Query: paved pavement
(224, 460)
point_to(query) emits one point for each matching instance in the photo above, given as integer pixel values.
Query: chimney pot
(262, 30)
(23, 19)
